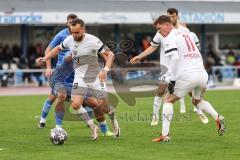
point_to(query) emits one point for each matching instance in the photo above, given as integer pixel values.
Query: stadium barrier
(220, 75)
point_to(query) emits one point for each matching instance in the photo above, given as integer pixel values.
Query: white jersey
(158, 39)
(192, 34)
(195, 38)
(184, 56)
(85, 56)
(181, 28)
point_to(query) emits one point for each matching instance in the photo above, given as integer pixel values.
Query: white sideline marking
(37, 117)
(1, 149)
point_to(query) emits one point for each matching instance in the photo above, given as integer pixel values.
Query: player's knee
(75, 105)
(160, 93)
(195, 101)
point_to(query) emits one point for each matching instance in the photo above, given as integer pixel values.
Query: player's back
(189, 57)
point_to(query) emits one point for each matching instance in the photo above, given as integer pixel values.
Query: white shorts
(95, 89)
(195, 82)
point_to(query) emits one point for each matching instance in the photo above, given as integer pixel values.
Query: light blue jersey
(58, 39)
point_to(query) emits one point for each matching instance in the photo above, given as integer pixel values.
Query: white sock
(43, 120)
(84, 115)
(58, 126)
(207, 107)
(167, 118)
(156, 105)
(182, 105)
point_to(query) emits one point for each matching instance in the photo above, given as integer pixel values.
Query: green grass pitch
(20, 139)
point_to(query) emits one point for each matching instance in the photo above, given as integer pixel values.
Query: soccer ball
(58, 136)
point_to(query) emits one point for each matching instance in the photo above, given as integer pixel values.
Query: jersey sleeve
(98, 45)
(156, 40)
(196, 40)
(56, 40)
(65, 44)
(170, 47)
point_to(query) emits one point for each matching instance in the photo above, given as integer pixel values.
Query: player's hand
(102, 75)
(48, 73)
(40, 61)
(135, 59)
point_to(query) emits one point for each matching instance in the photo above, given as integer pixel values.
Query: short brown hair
(78, 21)
(162, 19)
(172, 10)
(71, 16)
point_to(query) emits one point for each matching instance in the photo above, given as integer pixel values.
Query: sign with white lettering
(117, 17)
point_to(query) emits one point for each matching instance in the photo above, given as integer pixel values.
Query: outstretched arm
(145, 53)
(53, 53)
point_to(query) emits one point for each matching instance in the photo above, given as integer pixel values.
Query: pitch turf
(20, 138)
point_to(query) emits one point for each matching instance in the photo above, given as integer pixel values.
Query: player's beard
(78, 39)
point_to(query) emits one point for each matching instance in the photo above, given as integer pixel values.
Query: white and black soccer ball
(58, 136)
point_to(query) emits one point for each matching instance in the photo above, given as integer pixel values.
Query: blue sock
(46, 107)
(59, 118)
(103, 126)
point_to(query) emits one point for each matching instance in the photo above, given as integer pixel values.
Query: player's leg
(100, 92)
(60, 109)
(176, 90)
(182, 105)
(157, 103)
(77, 101)
(199, 112)
(167, 117)
(208, 108)
(99, 115)
(45, 110)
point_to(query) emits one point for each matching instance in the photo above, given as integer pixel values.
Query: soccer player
(163, 82)
(56, 41)
(62, 90)
(173, 14)
(88, 77)
(186, 74)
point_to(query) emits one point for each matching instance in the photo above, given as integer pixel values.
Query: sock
(167, 118)
(58, 118)
(103, 126)
(45, 110)
(84, 115)
(207, 107)
(182, 105)
(156, 106)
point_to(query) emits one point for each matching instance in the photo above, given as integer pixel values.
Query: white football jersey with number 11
(180, 46)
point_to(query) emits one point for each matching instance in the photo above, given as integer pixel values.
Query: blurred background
(27, 26)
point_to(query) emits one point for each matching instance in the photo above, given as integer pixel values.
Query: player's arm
(108, 57)
(154, 45)
(53, 53)
(145, 53)
(48, 63)
(172, 52)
